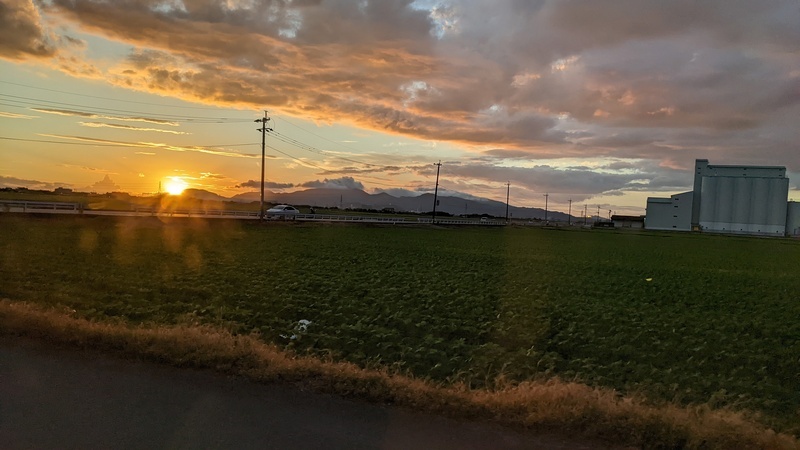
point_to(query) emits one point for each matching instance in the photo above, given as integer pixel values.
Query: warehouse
(728, 199)
(673, 213)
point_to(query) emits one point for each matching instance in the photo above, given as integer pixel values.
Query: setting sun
(175, 186)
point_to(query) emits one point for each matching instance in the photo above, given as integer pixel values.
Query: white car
(282, 212)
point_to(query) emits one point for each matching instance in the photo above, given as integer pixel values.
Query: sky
(601, 103)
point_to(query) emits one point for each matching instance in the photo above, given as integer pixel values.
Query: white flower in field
(302, 325)
(299, 329)
(648, 279)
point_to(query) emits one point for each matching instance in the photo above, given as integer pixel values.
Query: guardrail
(350, 218)
(462, 222)
(197, 212)
(29, 205)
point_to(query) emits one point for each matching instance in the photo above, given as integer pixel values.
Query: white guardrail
(76, 208)
(25, 206)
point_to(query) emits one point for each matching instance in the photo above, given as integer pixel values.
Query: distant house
(627, 221)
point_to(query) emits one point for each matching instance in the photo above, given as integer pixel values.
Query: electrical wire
(315, 134)
(107, 98)
(306, 163)
(97, 110)
(121, 144)
(295, 142)
(28, 102)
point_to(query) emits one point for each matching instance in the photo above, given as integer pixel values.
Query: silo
(708, 205)
(776, 208)
(758, 215)
(724, 212)
(743, 203)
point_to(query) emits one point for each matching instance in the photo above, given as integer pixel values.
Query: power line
(295, 142)
(100, 110)
(119, 144)
(194, 119)
(307, 163)
(43, 141)
(108, 98)
(317, 135)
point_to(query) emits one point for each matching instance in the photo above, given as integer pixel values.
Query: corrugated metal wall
(674, 213)
(793, 219)
(744, 204)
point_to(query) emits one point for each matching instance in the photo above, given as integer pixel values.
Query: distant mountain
(202, 194)
(356, 198)
(248, 197)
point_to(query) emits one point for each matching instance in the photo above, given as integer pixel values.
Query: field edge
(548, 406)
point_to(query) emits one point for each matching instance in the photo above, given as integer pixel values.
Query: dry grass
(554, 405)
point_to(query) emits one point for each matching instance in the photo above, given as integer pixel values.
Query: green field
(677, 317)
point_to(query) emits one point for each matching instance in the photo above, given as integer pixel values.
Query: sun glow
(175, 186)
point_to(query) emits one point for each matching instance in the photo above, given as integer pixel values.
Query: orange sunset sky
(603, 103)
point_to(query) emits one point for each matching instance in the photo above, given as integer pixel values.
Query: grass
(677, 319)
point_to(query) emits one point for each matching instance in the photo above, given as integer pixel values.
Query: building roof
(628, 218)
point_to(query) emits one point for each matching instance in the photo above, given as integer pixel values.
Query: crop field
(674, 317)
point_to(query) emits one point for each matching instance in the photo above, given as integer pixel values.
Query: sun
(175, 186)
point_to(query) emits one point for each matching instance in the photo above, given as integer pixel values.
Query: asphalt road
(62, 398)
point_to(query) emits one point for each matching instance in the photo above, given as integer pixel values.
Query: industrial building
(729, 199)
(621, 221)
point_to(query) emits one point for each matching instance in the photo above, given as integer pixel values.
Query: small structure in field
(621, 221)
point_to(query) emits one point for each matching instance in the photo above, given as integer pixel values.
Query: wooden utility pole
(436, 190)
(546, 197)
(569, 215)
(508, 192)
(263, 131)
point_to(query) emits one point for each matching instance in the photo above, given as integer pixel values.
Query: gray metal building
(793, 219)
(673, 213)
(727, 199)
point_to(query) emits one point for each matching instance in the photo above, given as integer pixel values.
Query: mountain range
(356, 198)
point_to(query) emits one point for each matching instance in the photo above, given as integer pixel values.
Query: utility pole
(263, 131)
(584, 213)
(598, 213)
(569, 215)
(436, 190)
(508, 192)
(546, 196)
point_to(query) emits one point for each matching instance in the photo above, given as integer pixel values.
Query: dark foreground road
(59, 398)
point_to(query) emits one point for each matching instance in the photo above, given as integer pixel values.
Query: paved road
(66, 398)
